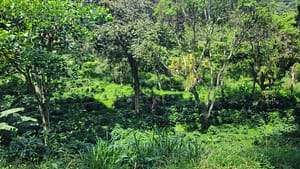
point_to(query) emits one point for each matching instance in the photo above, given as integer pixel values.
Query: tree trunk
(293, 79)
(43, 104)
(254, 81)
(205, 123)
(41, 94)
(196, 96)
(44, 111)
(136, 83)
(158, 81)
(201, 108)
(211, 102)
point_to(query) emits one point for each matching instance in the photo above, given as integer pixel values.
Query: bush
(27, 148)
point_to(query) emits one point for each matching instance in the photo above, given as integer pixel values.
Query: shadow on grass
(81, 118)
(84, 118)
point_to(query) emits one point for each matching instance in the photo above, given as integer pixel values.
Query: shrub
(28, 148)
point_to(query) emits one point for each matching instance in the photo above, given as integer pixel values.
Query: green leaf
(5, 126)
(11, 111)
(26, 118)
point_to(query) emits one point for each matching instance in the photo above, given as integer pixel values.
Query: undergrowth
(270, 146)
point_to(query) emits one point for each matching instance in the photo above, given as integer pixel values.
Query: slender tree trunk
(293, 78)
(44, 111)
(35, 85)
(158, 81)
(43, 105)
(136, 83)
(205, 123)
(201, 107)
(211, 102)
(36, 80)
(196, 96)
(254, 81)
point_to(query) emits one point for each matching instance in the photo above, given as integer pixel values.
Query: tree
(38, 39)
(269, 49)
(120, 38)
(216, 32)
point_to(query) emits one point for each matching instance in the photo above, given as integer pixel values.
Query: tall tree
(38, 38)
(270, 48)
(120, 38)
(215, 30)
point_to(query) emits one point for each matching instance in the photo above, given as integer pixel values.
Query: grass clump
(103, 155)
(134, 149)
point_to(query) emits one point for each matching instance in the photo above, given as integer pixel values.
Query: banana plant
(13, 123)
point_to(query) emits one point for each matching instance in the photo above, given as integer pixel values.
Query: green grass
(185, 95)
(130, 148)
(111, 92)
(102, 155)
(104, 92)
(248, 148)
(227, 146)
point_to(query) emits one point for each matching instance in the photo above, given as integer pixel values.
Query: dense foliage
(149, 84)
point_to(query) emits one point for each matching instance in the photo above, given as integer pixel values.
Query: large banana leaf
(7, 127)
(11, 111)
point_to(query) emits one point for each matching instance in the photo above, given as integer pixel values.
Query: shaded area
(84, 119)
(81, 118)
(240, 106)
(162, 111)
